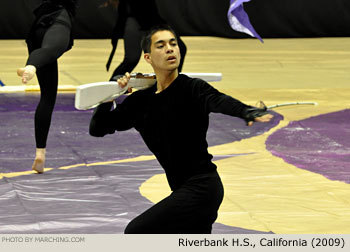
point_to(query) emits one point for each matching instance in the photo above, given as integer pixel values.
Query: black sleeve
(214, 101)
(106, 121)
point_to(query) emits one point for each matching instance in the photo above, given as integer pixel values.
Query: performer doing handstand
(134, 17)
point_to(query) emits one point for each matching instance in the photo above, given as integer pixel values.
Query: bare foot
(39, 161)
(38, 165)
(27, 73)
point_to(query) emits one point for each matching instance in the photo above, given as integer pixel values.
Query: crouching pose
(172, 117)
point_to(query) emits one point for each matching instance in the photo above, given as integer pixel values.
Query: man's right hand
(123, 81)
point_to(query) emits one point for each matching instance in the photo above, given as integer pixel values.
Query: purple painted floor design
(319, 144)
(89, 199)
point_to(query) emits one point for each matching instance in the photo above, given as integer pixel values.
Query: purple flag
(239, 19)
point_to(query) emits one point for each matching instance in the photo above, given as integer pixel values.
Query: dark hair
(147, 38)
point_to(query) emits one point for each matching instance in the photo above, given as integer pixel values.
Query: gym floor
(290, 176)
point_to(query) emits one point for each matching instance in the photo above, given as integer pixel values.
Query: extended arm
(215, 101)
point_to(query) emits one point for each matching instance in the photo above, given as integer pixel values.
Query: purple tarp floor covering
(316, 144)
(104, 198)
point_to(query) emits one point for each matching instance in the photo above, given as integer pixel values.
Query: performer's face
(165, 53)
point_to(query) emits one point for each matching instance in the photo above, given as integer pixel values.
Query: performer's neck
(165, 78)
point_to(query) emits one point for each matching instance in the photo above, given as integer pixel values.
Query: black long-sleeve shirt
(172, 123)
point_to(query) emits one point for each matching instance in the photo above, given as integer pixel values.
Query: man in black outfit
(172, 117)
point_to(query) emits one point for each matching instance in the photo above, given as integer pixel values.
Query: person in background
(134, 17)
(49, 37)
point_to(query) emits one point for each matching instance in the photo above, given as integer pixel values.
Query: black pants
(49, 44)
(132, 48)
(192, 209)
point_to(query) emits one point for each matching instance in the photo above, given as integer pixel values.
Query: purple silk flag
(239, 19)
